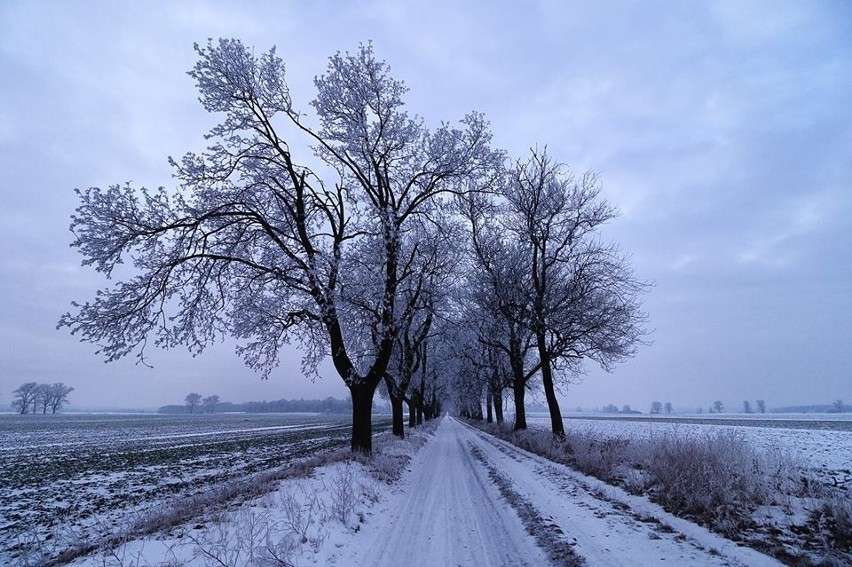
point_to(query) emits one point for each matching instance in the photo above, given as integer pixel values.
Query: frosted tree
(210, 403)
(256, 241)
(497, 294)
(25, 396)
(58, 393)
(42, 398)
(193, 400)
(583, 299)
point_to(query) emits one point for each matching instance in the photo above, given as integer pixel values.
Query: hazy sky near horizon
(722, 130)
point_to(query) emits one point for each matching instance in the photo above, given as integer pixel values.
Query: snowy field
(819, 442)
(466, 499)
(76, 473)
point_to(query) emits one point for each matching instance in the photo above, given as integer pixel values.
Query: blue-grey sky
(722, 130)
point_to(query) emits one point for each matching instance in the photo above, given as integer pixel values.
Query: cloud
(787, 229)
(722, 131)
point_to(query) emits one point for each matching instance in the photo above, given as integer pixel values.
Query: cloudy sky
(722, 130)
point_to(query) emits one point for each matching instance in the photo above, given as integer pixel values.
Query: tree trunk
(420, 413)
(396, 407)
(497, 397)
(396, 410)
(362, 417)
(412, 415)
(520, 413)
(489, 415)
(556, 424)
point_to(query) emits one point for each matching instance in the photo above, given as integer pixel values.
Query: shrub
(717, 479)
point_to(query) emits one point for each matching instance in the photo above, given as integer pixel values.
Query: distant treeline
(836, 407)
(328, 405)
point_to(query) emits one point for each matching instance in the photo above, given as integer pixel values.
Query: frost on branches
(255, 244)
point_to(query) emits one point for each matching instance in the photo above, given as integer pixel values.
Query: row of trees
(33, 397)
(421, 259)
(194, 401)
(718, 407)
(327, 405)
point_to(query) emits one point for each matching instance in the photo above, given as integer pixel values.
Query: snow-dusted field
(821, 443)
(467, 499)
(75, 473)
(466, 496)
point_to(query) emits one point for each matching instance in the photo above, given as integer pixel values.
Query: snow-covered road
(450, 511)
(451, 514)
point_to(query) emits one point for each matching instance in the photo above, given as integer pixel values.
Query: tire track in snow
(450, 514)
(547, 534)
(622, 531)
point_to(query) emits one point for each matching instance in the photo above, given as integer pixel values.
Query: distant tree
(761, 406)
(746, 407)
(718, 406)
(656, 407)
(610, 408)
(626, 409)
(668, 408)
(42, 398)
(210, 403)
(25, 396)
(193, 400)
(837, 406)
(58, 395)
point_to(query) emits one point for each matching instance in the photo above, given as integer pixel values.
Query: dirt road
(465, 497)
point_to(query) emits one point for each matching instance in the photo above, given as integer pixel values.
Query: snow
(446, 513)
(445, 510)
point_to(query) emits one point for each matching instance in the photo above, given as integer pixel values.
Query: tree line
(424, 260)
(32, 397)
(327, 405)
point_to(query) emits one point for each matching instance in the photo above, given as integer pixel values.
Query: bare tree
(584, 300)
(746, 406)
(256, 244)
(58, 395)
(42, 398)
(718, 406)
(25, 396)
(837, 406)
(761, 406)
(668, 408)
(497, 299)
(210, 403)
(429, 260)
(193, 400)
(656, 407)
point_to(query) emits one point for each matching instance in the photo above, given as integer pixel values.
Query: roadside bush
(836, 514)
(716, 479)
(602, 458)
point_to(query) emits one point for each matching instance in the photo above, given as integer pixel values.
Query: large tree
(193, 400)
(255, 243)
(497, 298)
(431, 255)
(583, 299)
(25, 396)
(58, 395)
